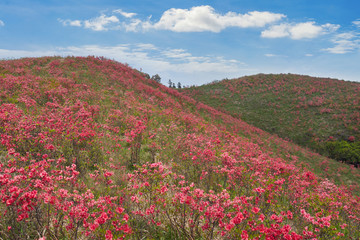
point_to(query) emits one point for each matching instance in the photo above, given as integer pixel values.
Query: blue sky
(188, 41)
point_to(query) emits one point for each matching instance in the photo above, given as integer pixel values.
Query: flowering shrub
(91, 149)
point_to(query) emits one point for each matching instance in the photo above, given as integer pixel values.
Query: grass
(305, 110)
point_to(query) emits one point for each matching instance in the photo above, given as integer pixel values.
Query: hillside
(92, 149)
(318, 113)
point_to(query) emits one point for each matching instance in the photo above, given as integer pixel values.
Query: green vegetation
(311, 112)
(92, 149)
(344, 151)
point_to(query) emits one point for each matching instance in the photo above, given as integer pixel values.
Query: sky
(191, 41)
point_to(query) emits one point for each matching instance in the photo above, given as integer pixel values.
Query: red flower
(11, 151)
(108, 235)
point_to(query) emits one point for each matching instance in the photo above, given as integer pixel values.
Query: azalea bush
(92, 149)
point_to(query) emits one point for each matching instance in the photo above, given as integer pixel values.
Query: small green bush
(344, 151)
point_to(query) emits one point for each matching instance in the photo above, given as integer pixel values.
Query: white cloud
(134, 25)
(276, 31)
(171, 63)
(356, 23)
(305, 30)
(309, 55)
(270, 55)
(74, 23)
(177, 54)
(299, 30)
(344, 43)
(2, 23)
(100, 23)
(125, 14)
(204, 18)
(145, 46)
(196, 19)
(11, 54)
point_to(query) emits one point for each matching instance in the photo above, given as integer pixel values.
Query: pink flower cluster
(91, 149)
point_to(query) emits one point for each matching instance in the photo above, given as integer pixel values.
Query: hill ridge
(307, 110)
(91, 148)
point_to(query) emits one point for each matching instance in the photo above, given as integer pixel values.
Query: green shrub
(344, 151)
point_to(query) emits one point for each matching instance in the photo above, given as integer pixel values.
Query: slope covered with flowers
(91, 149)
(320, 113)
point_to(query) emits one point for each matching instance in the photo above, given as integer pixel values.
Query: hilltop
(322, 114)
(93, 149)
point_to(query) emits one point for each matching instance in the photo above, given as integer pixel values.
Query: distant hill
(319, 113)
(93, 149)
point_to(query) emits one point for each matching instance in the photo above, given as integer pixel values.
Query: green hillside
(319, 113)
(92, 149)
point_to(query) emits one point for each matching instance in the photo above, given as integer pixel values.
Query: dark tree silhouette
(156, 78)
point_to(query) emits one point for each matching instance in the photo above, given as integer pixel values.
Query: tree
(173, 85)
(170, 83)
(156, 78)
(179, 85)
(146, 75)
